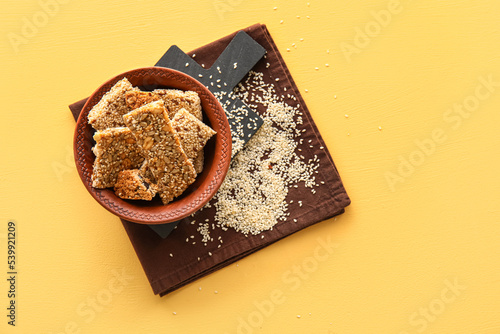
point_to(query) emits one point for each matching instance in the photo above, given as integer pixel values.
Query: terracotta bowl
(217, 151)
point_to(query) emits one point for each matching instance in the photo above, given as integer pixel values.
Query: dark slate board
(239, 57)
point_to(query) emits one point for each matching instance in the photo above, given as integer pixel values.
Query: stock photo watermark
(224, 6)
(365, 34)
(88, 310)
(429, 312)
(453, 117)
(292, 279)
(61, 168)
(31, 24)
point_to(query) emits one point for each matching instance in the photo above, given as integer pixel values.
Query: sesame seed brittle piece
(177, 99)
(192, 132)
(160, 145)
(115, 150)
(132, 185)
(108, 112)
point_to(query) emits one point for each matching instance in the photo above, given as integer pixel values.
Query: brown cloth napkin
(172, 262)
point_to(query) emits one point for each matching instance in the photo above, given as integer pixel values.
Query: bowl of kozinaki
(152, 145)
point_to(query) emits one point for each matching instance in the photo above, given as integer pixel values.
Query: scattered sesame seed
(316, 68)
(210, 253)
(277, 79)
(281, 22)
(254, 209)
(334, 96)
(327, 65)
(216, 292)
(235, 65)
(287, 50)
(171, 255)
(380, 128)
(308, 4)
(200, 75)
(203, 65)
(187, 64)
(328, 51)
(308, 17)
(275, 8)
(194, 55)
(199, 289)
(174, 313)
(298, 315)
(346, 116)
(301, 39)
(305, 90)
(298, 16)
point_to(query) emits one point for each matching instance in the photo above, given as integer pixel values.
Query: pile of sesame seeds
(253, 196)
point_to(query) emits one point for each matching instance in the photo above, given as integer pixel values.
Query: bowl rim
(206, 189)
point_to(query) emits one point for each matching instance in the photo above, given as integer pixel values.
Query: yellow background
(398, 248)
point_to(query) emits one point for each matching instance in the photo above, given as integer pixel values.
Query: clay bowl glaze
(217, 151)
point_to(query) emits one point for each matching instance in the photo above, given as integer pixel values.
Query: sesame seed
(328, 51)
(199, 289)
(287, 50)
(316, 68)
(174, 313)
(380, 128)
(327, 65)
(301, 39)
(171, 255)
(187, 64)
(275, 8)
(298, 315)
(298, 16)
(200, 75)
(281, 22)
(216, 292)
(235, 65)
(194, 55)
(305, 90)
(346, 116)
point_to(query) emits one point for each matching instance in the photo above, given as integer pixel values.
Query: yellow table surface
(408, 106)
